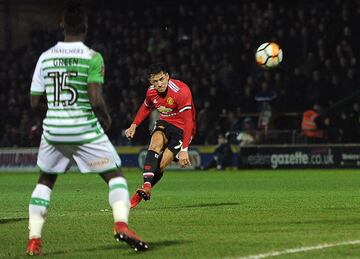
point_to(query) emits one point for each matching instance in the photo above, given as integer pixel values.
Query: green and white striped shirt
(63, 72)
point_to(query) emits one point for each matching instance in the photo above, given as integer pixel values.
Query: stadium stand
(211, 47)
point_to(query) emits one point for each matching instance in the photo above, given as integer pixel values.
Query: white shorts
(96, 157)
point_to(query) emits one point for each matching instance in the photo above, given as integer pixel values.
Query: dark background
(210, 45)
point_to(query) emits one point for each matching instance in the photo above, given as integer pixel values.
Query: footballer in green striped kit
(69, 78)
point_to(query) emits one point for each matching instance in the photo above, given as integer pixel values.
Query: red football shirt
(178, 99)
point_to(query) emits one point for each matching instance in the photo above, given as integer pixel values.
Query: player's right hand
(130, 132)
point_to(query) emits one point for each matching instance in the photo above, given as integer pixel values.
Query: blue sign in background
(131, 160)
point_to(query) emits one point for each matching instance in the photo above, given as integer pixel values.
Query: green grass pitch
(228, 214)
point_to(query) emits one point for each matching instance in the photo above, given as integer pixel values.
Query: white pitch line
(300, 249)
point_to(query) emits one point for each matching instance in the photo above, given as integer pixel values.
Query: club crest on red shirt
(170, 100)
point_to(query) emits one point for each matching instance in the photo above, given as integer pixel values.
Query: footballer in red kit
(172, 133)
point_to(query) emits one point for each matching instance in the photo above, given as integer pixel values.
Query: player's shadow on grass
(212, 204)
(12, 220)
(166, 243)
(205, 205)
(201, 205)
(121, 246)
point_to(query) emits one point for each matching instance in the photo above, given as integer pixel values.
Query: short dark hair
(155, 68)
(74, 20)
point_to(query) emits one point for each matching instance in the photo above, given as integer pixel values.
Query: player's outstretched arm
(141, 114)
(98, 105)
(130, 132)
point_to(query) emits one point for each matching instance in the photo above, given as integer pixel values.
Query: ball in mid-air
(269, 55)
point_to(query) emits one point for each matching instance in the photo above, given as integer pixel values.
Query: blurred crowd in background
(211, 47)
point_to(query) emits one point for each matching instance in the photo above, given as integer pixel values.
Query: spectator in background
(247, 99)
(266, 120)
(296, 84)
(355, 117)
(234, 123)
(246, 137)
(264, 95)
(265, 98)
(346, 128)
(214, 131)
(204, 121)
(334, 89)
(315, 89)
(201, 45)
(248, 134)
(350, 83)
(222, 155)
(315, 125)
(157, 42)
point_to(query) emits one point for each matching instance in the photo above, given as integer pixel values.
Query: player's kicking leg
(141, 192)
(38, 207)
(151, 165)
(145, 191)
(119, 202)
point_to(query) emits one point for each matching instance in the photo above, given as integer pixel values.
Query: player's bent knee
(158, 140)
(157, 146)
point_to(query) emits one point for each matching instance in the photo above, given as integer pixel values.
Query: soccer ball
(269, 55)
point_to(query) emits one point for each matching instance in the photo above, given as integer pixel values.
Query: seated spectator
(247, 135)
(222, 155)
